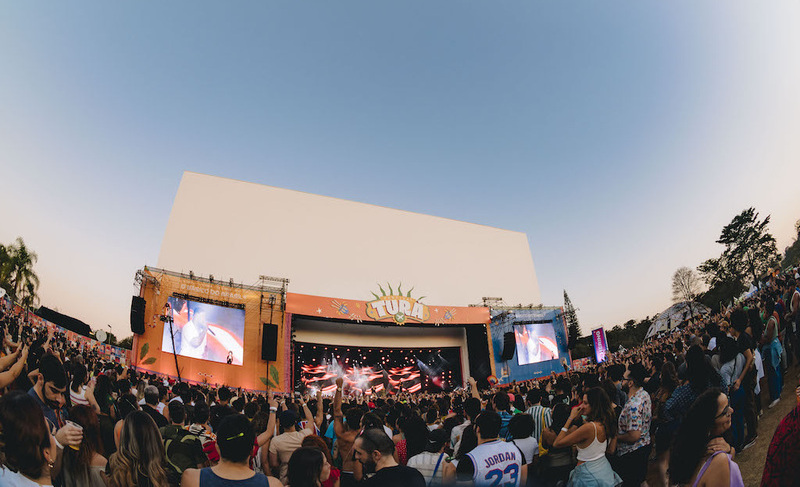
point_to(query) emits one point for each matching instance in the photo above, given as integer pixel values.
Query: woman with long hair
(139, 460)
(84, 466)
(308, 467)
(28, 451)
(700, 457)
(732, 364)
(591, 439)
(663, 432)
(125, 406)
(314, 441)
(557, 463)
(415, 437)
(77, 389)
(105, 403)
(772, 351)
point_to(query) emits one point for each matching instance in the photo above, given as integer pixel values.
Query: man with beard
(48, 391)
(374, 450)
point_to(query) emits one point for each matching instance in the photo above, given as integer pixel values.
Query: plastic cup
(79, 427)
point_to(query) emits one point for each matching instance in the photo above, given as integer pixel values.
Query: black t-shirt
(159, 418)
(745, 342)
(399, 476)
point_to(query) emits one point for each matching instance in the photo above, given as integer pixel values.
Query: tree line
(749, 254)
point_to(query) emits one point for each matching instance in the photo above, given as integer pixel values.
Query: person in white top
(591, 439)
(431, 462)
(493, 461)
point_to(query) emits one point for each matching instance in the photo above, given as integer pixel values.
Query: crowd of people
(674, 411)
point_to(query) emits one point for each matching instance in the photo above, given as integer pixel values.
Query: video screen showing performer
(536, 342)
(205, 331)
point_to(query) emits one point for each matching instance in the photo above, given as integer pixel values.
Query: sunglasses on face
(725, 412)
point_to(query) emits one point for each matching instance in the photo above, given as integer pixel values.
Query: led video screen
(205, 331)
(536, 342)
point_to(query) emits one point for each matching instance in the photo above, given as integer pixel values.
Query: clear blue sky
(620, 136)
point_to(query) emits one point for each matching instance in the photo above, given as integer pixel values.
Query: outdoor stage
(351, 275)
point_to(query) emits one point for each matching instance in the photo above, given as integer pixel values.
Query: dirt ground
(751, 461)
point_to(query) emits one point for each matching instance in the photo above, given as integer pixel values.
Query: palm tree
(29, 298)
(16, 270)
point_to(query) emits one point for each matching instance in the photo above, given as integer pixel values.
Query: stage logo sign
(397, 306)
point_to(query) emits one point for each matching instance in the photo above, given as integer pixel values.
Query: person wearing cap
(235, 438)
(430, 463)
(282, 446)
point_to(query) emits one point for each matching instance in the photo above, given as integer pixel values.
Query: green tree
(126, 342)
(750, 250)
(791, 256)
(17, 276)
(573, 327)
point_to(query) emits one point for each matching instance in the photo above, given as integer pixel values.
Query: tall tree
(685, 287)
(17, 276)
(573, 327)
(750, 250)
(791, 255)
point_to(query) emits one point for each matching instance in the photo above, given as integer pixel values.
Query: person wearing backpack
(183, 448)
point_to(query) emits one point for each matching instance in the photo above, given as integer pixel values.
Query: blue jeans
(772, 359)
(737, 419)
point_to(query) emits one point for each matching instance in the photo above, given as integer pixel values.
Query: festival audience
(690, 394)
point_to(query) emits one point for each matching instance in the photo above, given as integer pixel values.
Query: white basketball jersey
(497, 464)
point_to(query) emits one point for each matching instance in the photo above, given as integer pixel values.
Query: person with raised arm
(346, 434)
(282, 446)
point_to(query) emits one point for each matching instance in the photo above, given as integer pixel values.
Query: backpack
(183, 450)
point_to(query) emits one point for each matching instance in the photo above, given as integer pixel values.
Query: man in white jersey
(493, 461)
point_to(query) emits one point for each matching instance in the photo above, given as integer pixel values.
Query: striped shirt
(542, 418)
(78, 398)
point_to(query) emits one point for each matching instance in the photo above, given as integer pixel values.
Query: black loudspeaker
(509, 345)
(137, 315)
(269, 342)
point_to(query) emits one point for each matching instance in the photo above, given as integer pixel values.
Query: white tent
(675, 315)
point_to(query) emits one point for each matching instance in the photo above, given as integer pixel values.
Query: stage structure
(394, 340)
(217, 329)
(364, 279)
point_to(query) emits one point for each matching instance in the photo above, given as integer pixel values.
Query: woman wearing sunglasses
(700, 456)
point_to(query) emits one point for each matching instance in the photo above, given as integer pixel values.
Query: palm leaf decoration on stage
(143, 353)
(274, 377)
